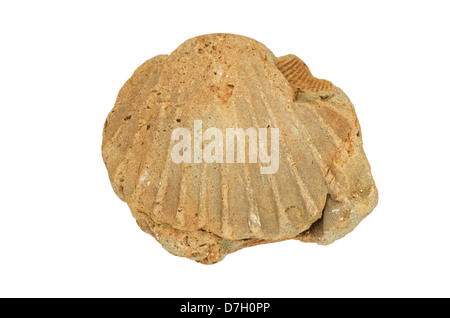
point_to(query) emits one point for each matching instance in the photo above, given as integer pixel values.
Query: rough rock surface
(204, 211)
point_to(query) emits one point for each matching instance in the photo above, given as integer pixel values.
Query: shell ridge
(164, 178)
(348, 120)
(304, 192)
(334, 137)
(265, 200)
(253, 218)
(123, 124)
(123, 164)
(225, 203)
(272, 182)
(180, 212)
(160, 114)
(114, 140)
(285, 222)
(202, 210)
(142, 160)
(137, 192)
(305, 136)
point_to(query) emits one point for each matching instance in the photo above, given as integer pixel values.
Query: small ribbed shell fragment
(299, 75)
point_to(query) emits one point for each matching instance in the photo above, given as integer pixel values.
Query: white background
(64, 233)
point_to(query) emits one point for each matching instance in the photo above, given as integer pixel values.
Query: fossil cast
(168, 148)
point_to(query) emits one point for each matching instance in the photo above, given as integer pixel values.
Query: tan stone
(321, 191)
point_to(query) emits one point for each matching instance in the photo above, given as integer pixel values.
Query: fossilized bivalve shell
(323, 186)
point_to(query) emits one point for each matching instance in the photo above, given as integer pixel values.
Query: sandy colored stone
(323, 187)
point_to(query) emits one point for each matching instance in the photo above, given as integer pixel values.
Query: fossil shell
(323, 186)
